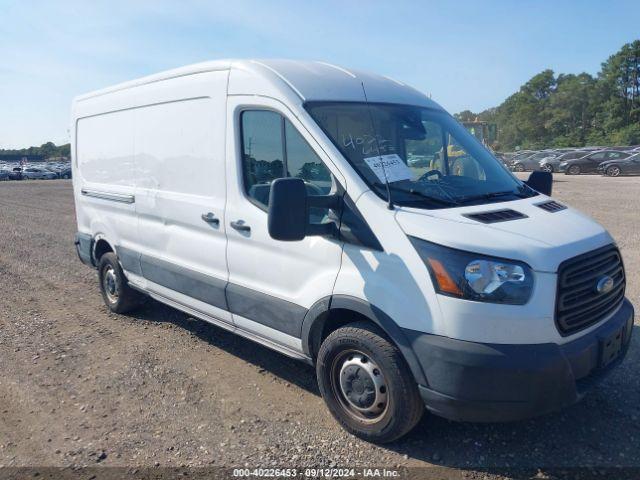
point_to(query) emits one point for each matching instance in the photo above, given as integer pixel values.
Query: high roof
(308, 80)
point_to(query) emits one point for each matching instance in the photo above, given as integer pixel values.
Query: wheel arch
(101, 246)
(334, 311)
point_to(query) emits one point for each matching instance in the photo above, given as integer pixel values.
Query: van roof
(308, 80)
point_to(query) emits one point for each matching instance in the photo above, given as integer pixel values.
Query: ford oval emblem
(605, 284)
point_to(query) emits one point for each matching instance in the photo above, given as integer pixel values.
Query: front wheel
(547, 168)
(367, 385)
(573, 170)
(613, 171)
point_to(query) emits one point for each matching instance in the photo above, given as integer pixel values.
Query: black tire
(574, 170)
(116, 292)
(365, 343)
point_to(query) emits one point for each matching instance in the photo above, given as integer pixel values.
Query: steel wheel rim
(360, 386)
(110, 283)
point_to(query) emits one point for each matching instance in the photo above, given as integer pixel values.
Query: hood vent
(551, 206)
(496, 216)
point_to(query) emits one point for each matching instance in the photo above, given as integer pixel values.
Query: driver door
(273, 283)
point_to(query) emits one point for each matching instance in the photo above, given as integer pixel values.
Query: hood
(543, 239)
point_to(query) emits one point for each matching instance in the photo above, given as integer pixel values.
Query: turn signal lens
(445, 282)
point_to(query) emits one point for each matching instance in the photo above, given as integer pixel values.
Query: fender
(314, 318)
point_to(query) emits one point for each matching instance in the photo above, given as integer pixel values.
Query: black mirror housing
(289, 206)
(541, 182)
(288, 212)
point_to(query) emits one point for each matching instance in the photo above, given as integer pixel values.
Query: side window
(262, 152)
(302, 162)
(597, 156)
(272, 148)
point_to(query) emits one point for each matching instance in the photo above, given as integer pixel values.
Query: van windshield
(422, 157)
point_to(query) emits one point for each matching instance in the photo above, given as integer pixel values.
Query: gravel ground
(82, 386)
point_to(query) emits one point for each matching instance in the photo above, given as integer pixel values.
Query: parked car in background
(4, 174)
(624, 166)
(589, 163)
(552, 164)
(532, 162)
(15, 173)
(65, 173)
(33, 173)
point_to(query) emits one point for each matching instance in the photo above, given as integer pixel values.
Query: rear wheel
(367, 384)
(613, 171)
(574, 170)
(116, 292)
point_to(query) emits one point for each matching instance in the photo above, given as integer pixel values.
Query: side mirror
(289, 206)
(288, 215)
(541, 182)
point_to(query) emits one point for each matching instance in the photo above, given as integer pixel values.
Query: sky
(465, 54)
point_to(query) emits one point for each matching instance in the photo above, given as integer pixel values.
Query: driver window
(302, 162)
(272, 148)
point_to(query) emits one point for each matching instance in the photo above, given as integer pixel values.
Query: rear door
(272, 283)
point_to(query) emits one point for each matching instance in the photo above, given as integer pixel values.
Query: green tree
(573, 110)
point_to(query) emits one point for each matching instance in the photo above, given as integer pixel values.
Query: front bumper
(480, 382)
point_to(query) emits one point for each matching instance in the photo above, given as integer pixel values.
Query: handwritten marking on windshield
(367, 144)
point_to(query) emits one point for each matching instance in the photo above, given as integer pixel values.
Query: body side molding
(114, 197)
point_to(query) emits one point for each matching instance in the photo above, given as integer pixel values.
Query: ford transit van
(275, 199)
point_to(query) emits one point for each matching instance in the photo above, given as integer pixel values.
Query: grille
(578, 303)
(551, 206)
(496, 216)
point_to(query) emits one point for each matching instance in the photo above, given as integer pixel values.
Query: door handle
(240, 226)
(210, 218)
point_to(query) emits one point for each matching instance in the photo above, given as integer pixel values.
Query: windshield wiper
(437, 200)
(491, 195)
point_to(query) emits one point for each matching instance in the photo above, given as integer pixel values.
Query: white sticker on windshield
(392, 165)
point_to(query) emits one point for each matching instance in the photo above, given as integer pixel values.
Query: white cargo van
(276, 199)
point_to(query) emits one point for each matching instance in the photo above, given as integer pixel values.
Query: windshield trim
(520, 185)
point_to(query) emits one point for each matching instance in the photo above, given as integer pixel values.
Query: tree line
(569, 110)
(47, 150)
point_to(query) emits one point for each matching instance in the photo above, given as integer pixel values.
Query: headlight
(475, 277)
